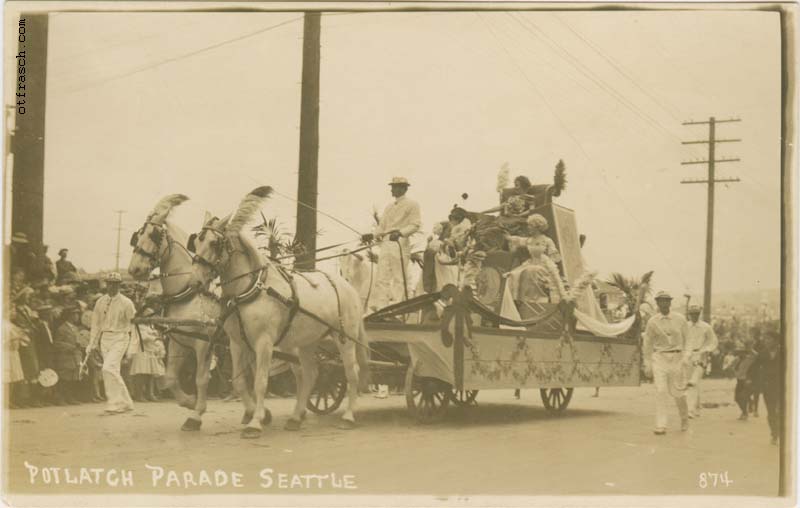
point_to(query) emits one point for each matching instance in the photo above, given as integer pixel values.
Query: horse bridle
(214, 265)
(153, 258)
(197, 258)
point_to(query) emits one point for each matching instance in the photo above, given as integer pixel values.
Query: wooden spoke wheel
(556, 400)
(463, 397)
(426, 397)
(328, 392)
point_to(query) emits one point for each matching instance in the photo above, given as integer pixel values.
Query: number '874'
(714, 480)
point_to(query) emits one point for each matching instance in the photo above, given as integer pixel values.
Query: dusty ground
(598, 446)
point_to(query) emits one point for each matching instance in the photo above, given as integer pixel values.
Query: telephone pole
(711, 181)
(119, 234)
(306, 229)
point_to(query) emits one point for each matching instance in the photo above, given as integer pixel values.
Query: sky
(208, 105)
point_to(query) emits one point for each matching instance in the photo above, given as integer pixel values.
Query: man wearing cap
(64, 266)
(399, 221)
(664, 357)
(700, 342)
(111, 330)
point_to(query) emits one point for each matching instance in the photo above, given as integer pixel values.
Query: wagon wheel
(426, 397)
(329, 390)
(556, 400)
(463, 397)
(489, 282)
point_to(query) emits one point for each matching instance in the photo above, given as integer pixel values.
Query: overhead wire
(183, 56)
(567, 56)
(620, 200)
(618, 67)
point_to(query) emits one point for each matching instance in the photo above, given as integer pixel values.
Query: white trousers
(669, 379)
(389, 285)
(113, 346)
(693, 374)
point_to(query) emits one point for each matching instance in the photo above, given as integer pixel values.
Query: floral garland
(558, 370)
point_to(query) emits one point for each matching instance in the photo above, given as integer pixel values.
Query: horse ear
(207, 217)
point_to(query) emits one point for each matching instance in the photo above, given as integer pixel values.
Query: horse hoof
(191, 424)
(267, 419)
(247, 417)
(292, 424)
(251, 433)
(347, 424)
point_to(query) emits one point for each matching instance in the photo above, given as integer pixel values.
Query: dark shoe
(660, 432)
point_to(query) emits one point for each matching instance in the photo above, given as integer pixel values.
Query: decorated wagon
(486, 339)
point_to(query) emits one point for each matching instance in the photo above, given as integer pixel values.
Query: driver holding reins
(399, 221)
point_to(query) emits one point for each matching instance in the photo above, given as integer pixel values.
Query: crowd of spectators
(47, 331)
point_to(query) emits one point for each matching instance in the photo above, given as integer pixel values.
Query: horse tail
(362, 357)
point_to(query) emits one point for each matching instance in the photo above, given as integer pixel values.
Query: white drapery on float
(586, 320)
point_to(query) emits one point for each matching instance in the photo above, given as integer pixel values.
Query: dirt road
(501, 446)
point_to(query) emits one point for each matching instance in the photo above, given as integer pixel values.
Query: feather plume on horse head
(247, 208)
(164, 206)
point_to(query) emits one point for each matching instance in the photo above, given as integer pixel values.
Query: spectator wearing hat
(744, 368)
(399, 221)
(700, 343)
(45, 271)
(20, 252)
(28, 322)
(64, 266)
(68, 355)
(664, 356)
(768, 371)
(111, 332)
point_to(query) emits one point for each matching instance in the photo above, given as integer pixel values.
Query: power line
(578, 65)
(618, 67)
(536, 89)
(620, 200)
(183, 56)
(711, 181)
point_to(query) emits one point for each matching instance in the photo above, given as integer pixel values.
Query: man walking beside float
(111, 332)
(665, 356)
(700, 342)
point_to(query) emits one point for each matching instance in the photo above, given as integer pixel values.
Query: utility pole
(119, 234)
(306, 229)
(711, 181)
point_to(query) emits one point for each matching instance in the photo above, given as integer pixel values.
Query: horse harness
(292, 303)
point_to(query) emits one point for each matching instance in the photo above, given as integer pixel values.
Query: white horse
(278, 309)
(160, 244)
(361, 272)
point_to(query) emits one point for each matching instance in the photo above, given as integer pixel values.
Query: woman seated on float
(538, 277)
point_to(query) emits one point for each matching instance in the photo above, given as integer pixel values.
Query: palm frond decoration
(635, 289)
(276, 237)
(559, 178)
